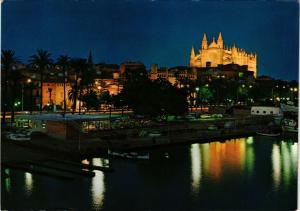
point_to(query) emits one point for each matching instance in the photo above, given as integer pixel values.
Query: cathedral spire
(90, 58)
(204, 42)
(220, 41)
(193, 52)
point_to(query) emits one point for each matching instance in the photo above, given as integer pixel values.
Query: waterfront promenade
(163, 134)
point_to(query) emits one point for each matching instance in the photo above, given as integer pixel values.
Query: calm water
(246, 173)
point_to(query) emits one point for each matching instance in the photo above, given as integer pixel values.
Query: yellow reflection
(231, 154)
(98, 187)
(28, 183)
(85, 162)
(206, 155)
(195, 167)
(242, 152)
(276, 165)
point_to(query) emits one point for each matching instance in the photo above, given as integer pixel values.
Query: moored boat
(130, 155)
(289, 107)
(18, 137)
(268, 134)
(289, 125)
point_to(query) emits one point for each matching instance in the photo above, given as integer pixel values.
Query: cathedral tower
(220, 41)
(216, 53)
(204, 42)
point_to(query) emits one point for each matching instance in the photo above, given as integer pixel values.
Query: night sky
(157, 31)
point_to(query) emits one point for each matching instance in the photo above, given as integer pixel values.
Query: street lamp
(196, 97)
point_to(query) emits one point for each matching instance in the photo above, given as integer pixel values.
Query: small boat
(18, 137)
(154, 134)
(212, 127)
(268, 134)
(289, 125)
(289, 107)
(130, 155)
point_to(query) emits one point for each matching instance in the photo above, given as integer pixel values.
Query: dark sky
(158, 31)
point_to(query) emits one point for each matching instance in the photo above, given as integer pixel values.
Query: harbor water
(246, 173)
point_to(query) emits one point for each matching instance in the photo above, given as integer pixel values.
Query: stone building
(216, 53)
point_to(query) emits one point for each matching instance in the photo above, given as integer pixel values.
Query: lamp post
(29, 82)
(197, 96)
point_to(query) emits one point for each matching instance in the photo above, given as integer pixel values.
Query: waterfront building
(53, 93)
(130, 70)
(183, 74)
(216, 53)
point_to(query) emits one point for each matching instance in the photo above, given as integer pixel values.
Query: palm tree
(72, 96)
(79, 66)
(42, 62)
(64, 63)
(8, 60)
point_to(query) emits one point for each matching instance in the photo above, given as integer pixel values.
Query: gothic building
(216, 53)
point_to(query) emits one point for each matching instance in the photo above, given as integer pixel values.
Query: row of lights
(292, 89)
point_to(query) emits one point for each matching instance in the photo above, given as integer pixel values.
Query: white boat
(154, 134)
(18, 137)
(130, 155)
(268, 134)
(289, 107)
(205, 116)
(289, 125)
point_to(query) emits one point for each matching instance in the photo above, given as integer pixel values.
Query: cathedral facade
(215, 53)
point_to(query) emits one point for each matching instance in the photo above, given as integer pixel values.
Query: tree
(204, 95)
(64, 63)
(153, 98)
(80, 67)
(41, 61)
(90, 100)
(72, 96)
(8, 60)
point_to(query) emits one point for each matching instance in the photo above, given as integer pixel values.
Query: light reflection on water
(98, 187)
(230, 170)
(28, 183)
(238, 156)
(284, 161)
(216, 158)
(196, 167)
(276, 165)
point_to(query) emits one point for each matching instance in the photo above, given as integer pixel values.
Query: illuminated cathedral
(216, 53)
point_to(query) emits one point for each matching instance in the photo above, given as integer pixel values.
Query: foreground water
(246, 173)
